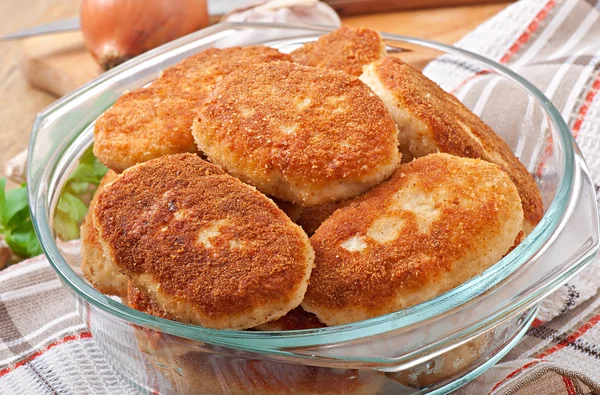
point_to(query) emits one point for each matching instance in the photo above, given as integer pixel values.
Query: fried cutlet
(195, 76)
(209, 249)
(432, 120)
(439, 221)
(143, 124)
(305, 135)
(292, 210)
(155, 342)
(212, 374)
(294, 320)
(311, 218)
(155, 121)
(96, 268)
(346, 49)
(141, 301)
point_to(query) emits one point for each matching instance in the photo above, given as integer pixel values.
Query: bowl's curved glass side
(402, 346)
(159, 363)
(449, 319)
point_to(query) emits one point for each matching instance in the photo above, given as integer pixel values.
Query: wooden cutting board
(60, 63)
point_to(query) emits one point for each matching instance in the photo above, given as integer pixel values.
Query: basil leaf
(72, 206)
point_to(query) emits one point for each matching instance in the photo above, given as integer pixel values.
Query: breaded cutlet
(155, 342)
(311, 218)
(301, 134)
(154, 121)
(292, 210)
(96, 267)
(143, 124)
(439, 221)
(294, 320)
(431, 120)
(346, 49)
(212, 374)
(209, 249)
(195, 76)
(141, 301)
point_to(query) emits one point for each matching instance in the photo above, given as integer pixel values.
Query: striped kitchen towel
(555, 44)
(46, 349)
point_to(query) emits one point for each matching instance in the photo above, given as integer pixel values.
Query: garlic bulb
(16, 167)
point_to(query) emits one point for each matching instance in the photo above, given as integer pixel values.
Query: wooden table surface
(19, 102)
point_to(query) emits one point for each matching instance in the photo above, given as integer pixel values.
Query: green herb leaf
(16, 202)
(81, 188)
(23, 241)
(15, 222)
(65, 227)
(76, 194)
(72, 206)
(91, 173)
(88, 157)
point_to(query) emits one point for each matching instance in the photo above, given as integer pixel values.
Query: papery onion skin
(117, 30)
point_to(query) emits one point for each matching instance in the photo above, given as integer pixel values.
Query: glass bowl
(435, 346)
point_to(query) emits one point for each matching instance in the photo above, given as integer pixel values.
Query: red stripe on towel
(26, 360)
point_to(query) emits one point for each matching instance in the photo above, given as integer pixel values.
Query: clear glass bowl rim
(275, 342)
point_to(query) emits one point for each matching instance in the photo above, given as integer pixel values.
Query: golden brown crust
(439, 221)
(455, 129)
(155, 342)
(143, 125)
(195, 76)
(311, 218)
(155, 121)
(141, 301)
(96, 268)
(292, 210)
(298, 133)
(209, 249)
(346, 49)
(518, 241)
(296, 319)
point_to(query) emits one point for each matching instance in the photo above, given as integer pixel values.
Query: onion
(117, 30)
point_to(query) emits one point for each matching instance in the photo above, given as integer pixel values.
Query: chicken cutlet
(195, 76)
(294, 320)
(212, 374)
(96, 267)
(438, 222)
(207, 248)
(310, 218)
(143, 124)
(346, 49)
(301, 134)
(155, 342)
(292, 210)
(431, 120)
(141, 301)
(154, 121)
